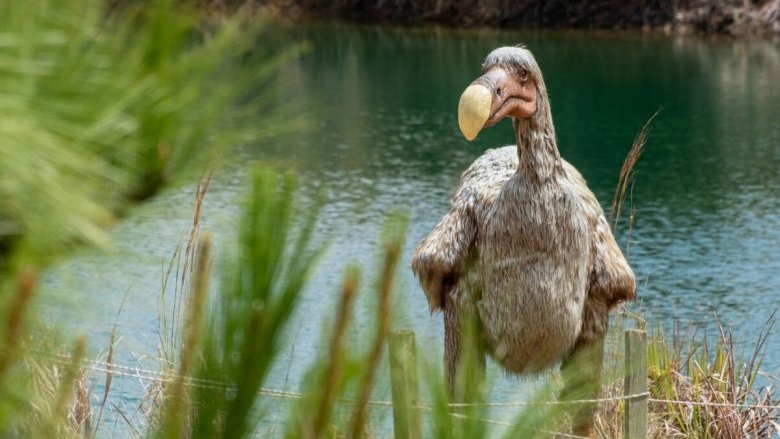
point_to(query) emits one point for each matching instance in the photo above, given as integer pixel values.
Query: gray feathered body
(525, 245)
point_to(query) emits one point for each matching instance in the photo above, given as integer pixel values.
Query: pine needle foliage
(102, 109)
(243, 335)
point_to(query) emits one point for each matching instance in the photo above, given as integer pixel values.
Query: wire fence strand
(543, 403)
(508, 425)
(163, 377)
(166, 378)
(715, 404)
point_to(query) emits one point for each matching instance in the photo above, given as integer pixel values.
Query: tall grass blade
(392, 251)
(173, 424)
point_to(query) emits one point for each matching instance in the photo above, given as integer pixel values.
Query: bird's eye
(523, 75)
(498, 92)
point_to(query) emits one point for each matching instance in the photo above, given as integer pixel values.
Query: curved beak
(474, 110)
(493, 96)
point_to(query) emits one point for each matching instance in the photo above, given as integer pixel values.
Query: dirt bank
(734, 17)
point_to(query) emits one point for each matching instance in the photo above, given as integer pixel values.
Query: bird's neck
(537, 150)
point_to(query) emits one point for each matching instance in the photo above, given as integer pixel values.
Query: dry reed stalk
(177, 398)
(181, 290)
(384, 317)
(335, 355)
(109, 376)
(73, 373)
(110, 362)
(627, 172)
(166, 333)
(200, 196)
(80, 416)
(183, 263)
(196, 306)
(183, 267)
(710, 389)
(128, 421)
(20, 301)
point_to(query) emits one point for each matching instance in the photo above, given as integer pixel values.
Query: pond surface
(383, 135)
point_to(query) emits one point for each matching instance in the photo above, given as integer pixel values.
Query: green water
(383, 135)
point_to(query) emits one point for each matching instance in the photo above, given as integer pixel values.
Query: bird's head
(511, 86)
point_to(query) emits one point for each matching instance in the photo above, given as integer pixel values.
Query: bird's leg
(464, 355)
(581, 371)
(451, 343)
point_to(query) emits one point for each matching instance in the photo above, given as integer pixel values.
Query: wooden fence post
(404, 385)
(635, 417)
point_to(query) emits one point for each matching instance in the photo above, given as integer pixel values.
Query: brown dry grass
(715, 386)
(384, 319)
(336, 352)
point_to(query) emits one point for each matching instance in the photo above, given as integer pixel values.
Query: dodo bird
(525, 246)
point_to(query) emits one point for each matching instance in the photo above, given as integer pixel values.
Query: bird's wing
(611, 279)
(440, 259)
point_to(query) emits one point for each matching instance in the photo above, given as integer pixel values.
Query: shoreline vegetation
(727, 17)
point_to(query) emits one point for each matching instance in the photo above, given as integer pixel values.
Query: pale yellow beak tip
(474, 110)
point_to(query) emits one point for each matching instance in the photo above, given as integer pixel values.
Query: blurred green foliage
(103, 108)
